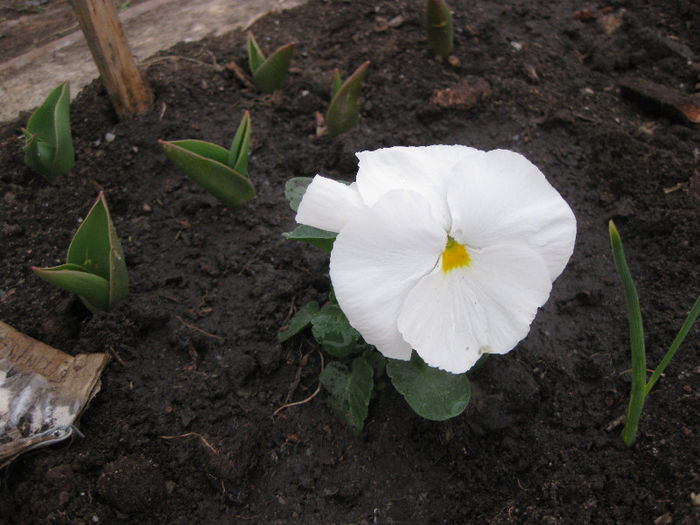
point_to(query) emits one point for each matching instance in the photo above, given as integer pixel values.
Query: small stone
(380, 24)
(147, 207)
(611, 22)
(109, 137)
(396, 21)
(453, 61)
(517, 46)
(583, 15)
(587, 92)
(464, 95)
(531, 72)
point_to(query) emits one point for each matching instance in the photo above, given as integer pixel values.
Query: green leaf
(255, 54)
(294, 190)
(636, 328)
(344, 110)
(207, 165)
(92, 289)
(240, 147)
(332, 330)
(301, 320)
(49, 147)
(432, 393)
(337, 83)
(269, 76)
(96, 250)
(320, 238)
(440, 27)
(350, 392)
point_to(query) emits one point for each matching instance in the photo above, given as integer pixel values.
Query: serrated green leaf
(350, 392)
(440, 27)
(332, 330)
(49, 148)
(294, 190)
(92, 289)
(344, 110)
(301, 320)
(269, 76)
(207, 165)
(240, 147)
(432, 393)
(255, 54)
(320, 238)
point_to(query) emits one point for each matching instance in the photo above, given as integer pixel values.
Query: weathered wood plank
(105, 37)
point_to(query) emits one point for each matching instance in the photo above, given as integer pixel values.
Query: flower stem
(692, 316)
(639, 383)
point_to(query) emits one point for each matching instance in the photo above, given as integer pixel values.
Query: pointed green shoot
(255, 55)
(49, 146)
(634, 317)
(240, 147)
(95, 267)
(640, 386)
(440, 27)
(269, 73)
(337, 83)
(344, 110)
(209, 166)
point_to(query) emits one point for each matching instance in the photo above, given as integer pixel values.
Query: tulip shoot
(268, 73)
(440, 27)
(95, 267)
(49, 146)
(640, 387)
(223, 173)
(344, 110)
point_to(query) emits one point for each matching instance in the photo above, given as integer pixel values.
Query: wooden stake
(105, 37)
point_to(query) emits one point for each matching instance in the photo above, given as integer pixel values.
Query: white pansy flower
(447, 250)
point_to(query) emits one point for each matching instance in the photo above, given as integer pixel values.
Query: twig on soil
(615, 423)
(303, 401)
(116, 355)
(240, 74)
(193, 327)
(196, 434)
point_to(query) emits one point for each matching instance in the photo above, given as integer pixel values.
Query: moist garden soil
(185, 428)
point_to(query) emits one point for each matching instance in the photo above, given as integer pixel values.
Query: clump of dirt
(183, 432)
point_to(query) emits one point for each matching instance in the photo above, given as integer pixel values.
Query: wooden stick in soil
(105, 37)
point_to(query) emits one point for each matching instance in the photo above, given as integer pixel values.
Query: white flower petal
(329, 204)
(424, 169)
(379, 255)
(452, 318)
(501, 197)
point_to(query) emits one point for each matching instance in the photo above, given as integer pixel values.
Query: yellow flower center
(454, 256)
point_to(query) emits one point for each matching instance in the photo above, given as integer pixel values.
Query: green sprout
(269, 73)
(49, 147)
(223, 173)
(95, 267)
(440, 27)
(344, 110)
(640, 387)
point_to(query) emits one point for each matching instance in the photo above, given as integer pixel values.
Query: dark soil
(183, 429)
